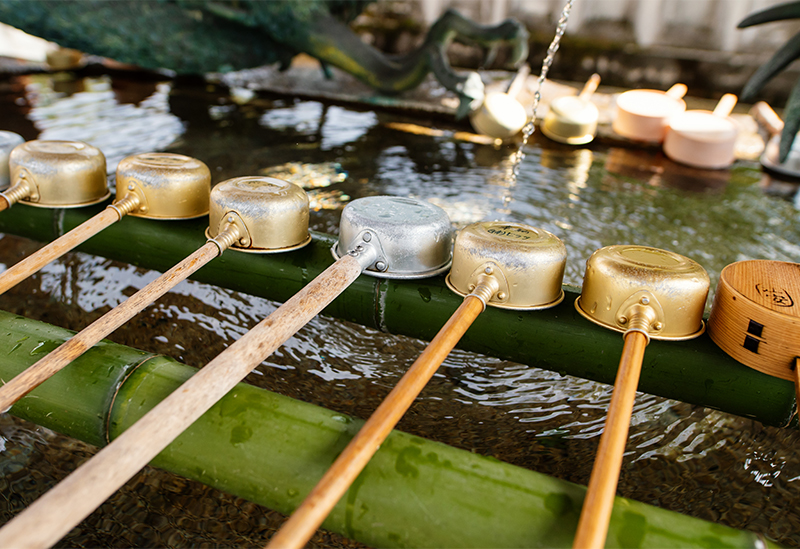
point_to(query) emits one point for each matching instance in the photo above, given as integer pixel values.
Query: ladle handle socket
(54, 514)
(318, 504)
(599, 500)
(21, 189)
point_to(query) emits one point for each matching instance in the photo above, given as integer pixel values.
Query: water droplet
(38, 349)
(17, 345)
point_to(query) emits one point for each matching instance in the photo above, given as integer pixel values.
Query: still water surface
(685, 458)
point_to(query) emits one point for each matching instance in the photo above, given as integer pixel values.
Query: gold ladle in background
(501, 115)
(506, 265)
(55, 174)
(65, 174)
(573, 119)
(644, 293)
(253, 214)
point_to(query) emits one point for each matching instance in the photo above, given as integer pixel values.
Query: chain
(561, 27)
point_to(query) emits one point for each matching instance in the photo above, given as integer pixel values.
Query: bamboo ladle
(254, 214)
(643, 115)
(644, 293)
(382, 236)
(61, 174)
(506, 265)
(704, 139)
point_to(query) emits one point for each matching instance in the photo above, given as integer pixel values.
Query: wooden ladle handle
(54, 514)
(765, 115)
(725, 105)
(318, 504)
(518, 82)
(677, 91)
(599, 501)
(590, 87)
(38, 373)
(58, 247)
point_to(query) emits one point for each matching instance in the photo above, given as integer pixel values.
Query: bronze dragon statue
(200, 36)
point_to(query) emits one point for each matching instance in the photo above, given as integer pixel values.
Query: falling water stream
(684, 458)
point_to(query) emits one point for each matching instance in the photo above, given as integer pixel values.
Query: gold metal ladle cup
(644, 293)
(56, 174)
(270, 215)
(151, 185)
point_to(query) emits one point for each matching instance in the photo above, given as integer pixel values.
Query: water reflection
(89, 110)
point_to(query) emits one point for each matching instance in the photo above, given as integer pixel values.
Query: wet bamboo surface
(458, 496)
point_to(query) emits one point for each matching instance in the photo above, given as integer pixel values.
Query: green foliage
(779, 61)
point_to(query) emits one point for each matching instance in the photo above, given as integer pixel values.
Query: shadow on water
(684, 458)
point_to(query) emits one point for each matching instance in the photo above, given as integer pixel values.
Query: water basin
(680, 457)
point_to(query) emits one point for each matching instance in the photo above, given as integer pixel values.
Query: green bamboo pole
(557, 339)
(271, 449)
(77, 403)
